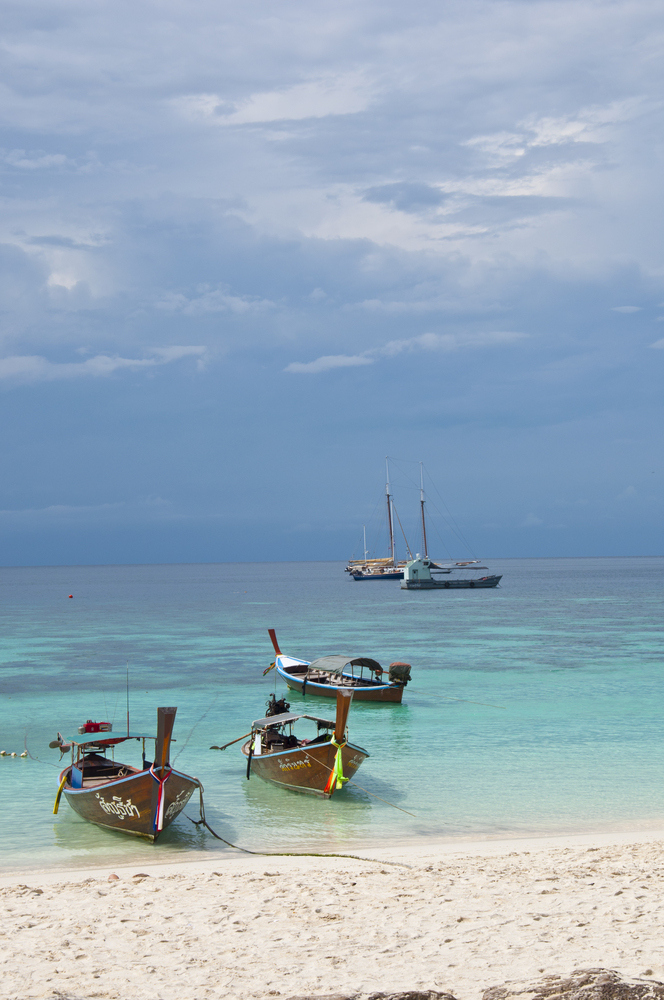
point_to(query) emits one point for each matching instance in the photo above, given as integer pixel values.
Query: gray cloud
(350, 184)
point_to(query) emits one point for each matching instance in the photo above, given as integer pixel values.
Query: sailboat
(384, 568)
(417, 573)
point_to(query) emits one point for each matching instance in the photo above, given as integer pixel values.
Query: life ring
(447, 583)
(472, 583)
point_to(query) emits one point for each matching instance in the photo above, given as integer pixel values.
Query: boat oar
(232, 742)
(56, 804)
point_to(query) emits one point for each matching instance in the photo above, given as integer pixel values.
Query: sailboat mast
(389, 512)
(424, 524)
(364, 529)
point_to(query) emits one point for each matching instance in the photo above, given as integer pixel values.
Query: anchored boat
(418, 575)
(329, 674)
(384, 568)
(142, 801)
(319, 765)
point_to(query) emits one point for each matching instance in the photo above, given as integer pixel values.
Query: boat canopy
(281, 720)
(336, 664)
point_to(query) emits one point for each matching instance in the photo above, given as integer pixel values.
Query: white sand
(463, 918)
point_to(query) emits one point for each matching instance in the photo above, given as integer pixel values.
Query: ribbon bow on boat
(336, 779)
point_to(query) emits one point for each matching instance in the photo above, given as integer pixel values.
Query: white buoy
(24, 754)
(13, 754)
(3, 753)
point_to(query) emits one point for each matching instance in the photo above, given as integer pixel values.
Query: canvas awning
(280, 720)
(337, 663)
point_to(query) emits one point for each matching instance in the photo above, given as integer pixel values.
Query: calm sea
(535, 708)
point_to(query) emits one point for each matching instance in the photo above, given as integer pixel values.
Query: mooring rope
(281, 854)
(50, 763)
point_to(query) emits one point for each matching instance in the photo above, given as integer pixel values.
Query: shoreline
(415, 851)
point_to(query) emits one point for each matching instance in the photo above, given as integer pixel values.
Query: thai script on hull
(178, 804)
(117, 807)
(293, 765)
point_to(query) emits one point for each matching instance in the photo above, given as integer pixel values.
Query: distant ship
(416, 573)
(386, 568)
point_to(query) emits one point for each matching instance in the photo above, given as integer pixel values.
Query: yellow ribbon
(57, 797)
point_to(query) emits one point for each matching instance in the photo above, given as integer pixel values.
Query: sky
(248, 250)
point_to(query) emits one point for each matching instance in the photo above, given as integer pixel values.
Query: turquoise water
(535, 708)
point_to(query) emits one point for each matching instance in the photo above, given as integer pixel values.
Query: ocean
(534, 709)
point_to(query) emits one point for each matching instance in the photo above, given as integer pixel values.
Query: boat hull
(377, 576)
(485, 581)
(128, 803)
(370, 692)
(305, 769)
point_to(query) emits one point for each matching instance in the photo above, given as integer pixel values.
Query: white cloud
(35, 161)
(590, 125)
(659, 344)
(34, 368)
(344, 94)
(442, 342)
(450, 341)
(626, 309)
(328, 362)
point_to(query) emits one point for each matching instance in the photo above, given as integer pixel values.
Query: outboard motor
(399, 673)
(275, 707)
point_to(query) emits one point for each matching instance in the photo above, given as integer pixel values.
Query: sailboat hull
(377, 576)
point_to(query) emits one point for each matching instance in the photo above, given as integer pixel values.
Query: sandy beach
(460, 918)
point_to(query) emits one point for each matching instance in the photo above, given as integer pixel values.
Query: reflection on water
(279, 816)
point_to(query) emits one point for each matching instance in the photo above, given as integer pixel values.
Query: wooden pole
(344, 698)
(165, 720)
(273, 636)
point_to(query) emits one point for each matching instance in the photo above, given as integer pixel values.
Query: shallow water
(534, 709)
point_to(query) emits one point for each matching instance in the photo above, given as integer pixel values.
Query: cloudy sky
(250, 249)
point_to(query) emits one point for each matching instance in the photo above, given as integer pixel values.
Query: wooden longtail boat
(141, 801)
(329, 674)
(318, 766)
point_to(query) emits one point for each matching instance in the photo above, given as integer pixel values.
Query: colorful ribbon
(158, 821)
(336, 779)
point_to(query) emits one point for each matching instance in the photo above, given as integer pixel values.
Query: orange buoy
(71, 595)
